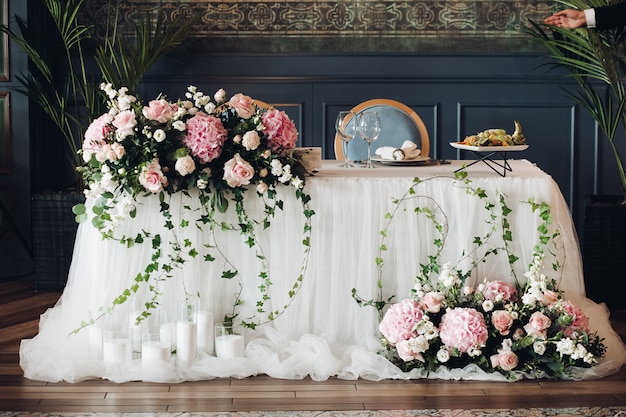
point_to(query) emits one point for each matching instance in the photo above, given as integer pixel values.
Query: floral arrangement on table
(215, 146)
(519, 330)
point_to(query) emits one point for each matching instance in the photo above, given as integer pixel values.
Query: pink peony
(463, 328)
(502, 320)
(152, 177)
(280, 130)
(243, 105)
(499, 291)
(506, 360)
(125, 123)
(205, 137)
(579, 322)
(159, 110)
(238, 172)
(400, 320)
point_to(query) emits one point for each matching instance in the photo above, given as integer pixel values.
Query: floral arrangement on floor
(519, 330)
(214, 146)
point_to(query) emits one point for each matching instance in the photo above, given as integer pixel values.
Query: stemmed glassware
(369, 128)
(346, 128)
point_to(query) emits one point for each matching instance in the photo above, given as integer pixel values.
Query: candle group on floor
(192, 333)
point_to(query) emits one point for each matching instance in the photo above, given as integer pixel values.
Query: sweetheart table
(323, 332)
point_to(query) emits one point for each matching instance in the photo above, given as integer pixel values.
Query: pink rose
(576, 319)
(243, 105)
(280, 131)
(152, 177)
(159, 110)
(499, 291)
(125, 123)
(95, 136)
(506, 360)
(205, 137)
(539, 321)
(238, 172)
(433, 301)
(463, 328)
(549, 297)
(502, 321)
(400, 320)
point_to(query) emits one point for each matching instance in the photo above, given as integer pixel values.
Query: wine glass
(369, 128)
(346, 127)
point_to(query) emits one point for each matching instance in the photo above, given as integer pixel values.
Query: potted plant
(594, 59)
(63, 80)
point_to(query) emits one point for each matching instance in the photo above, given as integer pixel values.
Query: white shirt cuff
(590, 16)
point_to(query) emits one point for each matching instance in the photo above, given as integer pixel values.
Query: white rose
(251, 140)
(261, 187)
(159, 135)
(179, 125)
(220, 96)
(443, 356)
(185, 165)
(539, 347)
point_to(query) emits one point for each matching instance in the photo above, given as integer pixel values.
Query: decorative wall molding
(346, 26)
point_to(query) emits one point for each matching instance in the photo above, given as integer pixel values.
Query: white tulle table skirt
(324, 332)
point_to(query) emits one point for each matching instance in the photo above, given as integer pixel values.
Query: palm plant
(594, 59)
(62, 80)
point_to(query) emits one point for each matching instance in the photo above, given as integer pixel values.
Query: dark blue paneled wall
(455, 95)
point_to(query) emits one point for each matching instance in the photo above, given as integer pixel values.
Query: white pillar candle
(155, 351)
(206, 337)
(186, 342)
(230, 346)
(116, 351)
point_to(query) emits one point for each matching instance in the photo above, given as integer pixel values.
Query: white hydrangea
(565, 346)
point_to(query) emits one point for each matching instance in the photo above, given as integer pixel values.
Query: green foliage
(594, 59)
(64, 84)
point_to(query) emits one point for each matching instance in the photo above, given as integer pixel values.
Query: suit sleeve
(611, 16)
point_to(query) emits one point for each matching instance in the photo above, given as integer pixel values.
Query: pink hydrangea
(463, 328)
(499, 291)
(280, 130)
(205, 137)
(400, 320)
(580, 322)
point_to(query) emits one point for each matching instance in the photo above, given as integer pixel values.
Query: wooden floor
(20, 307)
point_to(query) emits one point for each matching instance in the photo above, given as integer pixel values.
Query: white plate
(512, 148)
(420, 160)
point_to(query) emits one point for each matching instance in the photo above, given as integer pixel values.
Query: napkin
(407, 151)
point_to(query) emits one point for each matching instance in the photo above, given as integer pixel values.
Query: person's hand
(568, 18)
